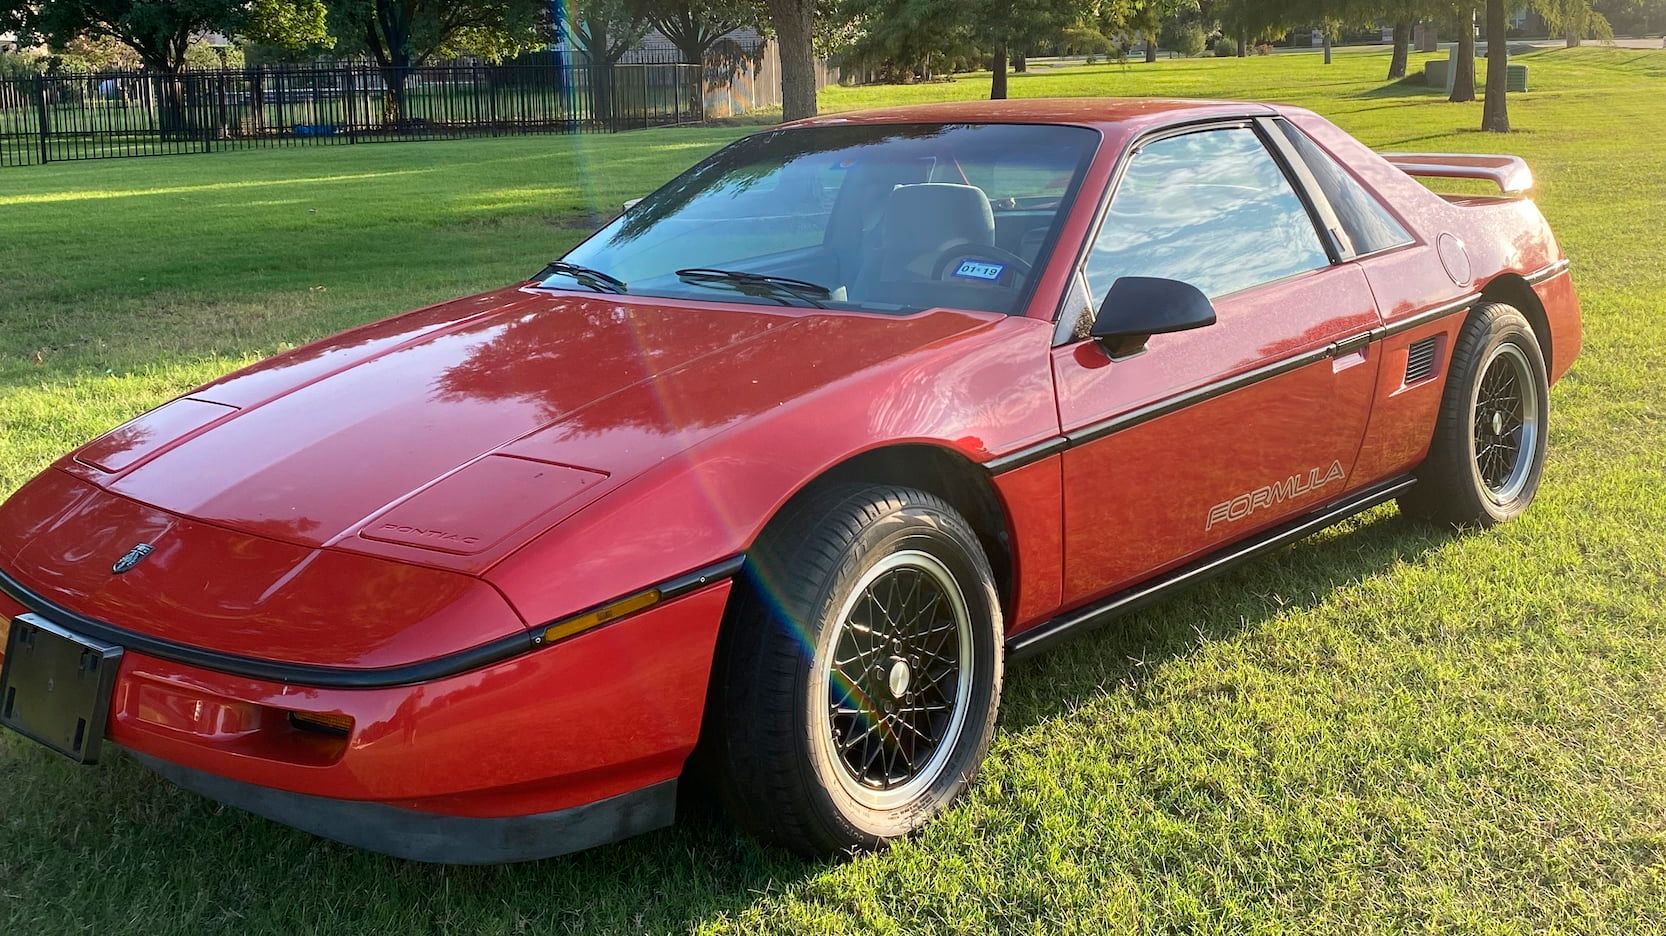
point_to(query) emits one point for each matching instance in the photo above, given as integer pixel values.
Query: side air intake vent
(1420, 360)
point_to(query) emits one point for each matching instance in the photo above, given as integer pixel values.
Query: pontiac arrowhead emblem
(134, 556)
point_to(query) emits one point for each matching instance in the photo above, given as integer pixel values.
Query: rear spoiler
(1509, 173)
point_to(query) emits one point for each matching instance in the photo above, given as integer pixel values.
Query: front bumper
(418, 836)
(549, 751)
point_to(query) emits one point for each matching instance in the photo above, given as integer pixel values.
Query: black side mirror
(1138, 307)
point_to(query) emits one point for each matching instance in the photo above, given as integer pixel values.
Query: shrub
(1225, 48)
(1191, 41)
(19, 65)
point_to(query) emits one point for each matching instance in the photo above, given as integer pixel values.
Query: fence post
(40, 110)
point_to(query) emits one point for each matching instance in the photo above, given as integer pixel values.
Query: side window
(1212, 209)
(1368, 224)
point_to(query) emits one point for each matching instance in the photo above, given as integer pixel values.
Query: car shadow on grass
(117, 848)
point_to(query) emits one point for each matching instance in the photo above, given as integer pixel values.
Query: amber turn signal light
(608, 612)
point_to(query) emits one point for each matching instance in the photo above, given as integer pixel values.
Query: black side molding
(323, 677)
(1030, 454)
(1047, 633)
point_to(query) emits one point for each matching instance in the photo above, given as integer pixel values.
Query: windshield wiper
(593, 279)
(758, 284)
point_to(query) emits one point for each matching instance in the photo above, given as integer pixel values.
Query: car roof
(1106, 114)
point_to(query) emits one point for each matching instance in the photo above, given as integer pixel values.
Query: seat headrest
(931, 213)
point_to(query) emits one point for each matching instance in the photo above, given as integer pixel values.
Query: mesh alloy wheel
(1487, 452)
(860, 677)
(896, 679)
(1505, 423)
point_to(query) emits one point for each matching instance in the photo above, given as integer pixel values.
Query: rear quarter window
(1367, 223)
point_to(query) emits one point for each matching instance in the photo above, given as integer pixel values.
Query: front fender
(987, 393)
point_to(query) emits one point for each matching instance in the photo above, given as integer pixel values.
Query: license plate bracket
(56, 687)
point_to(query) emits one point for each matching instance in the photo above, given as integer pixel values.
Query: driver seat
(921, 224)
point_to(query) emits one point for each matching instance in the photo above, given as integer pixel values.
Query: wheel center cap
(1498, 422)
(898, 679)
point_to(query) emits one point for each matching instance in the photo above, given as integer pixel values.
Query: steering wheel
(950, 260)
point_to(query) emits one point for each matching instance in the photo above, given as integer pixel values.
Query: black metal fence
(109, 114)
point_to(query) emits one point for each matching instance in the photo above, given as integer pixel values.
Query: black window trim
(1064, 331)
(1300, 175)
(1280, 125)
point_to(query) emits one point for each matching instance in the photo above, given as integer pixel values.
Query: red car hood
(450, 435)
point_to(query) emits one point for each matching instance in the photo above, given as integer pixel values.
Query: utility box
(1515, 78)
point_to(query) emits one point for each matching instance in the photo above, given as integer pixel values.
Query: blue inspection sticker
(980, 270)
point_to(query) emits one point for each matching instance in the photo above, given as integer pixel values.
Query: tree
(399, 34)
(1143, 18)
(1633, 17)
(1495, 112)
(158, 31)
(606, 29)
(288, 24)
(1463, 58)
(695, 26)
(1405, 15)
(900, 39)
(795, 32)
(1248, 20)
(1574, 19)
(1008, 25)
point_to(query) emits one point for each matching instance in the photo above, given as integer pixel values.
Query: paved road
(1647, 42)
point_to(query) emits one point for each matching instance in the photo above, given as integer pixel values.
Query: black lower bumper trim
(437, 839)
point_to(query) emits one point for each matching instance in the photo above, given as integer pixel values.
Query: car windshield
(877, 217)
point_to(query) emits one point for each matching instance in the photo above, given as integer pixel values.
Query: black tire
(778, 779)
(1474, 476)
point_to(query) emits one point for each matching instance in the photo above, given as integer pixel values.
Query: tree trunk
(1151, 46)
(171, 108)
(1243, 43)
(1018, 63)
(393, 97)
(794, 22)
(1571, 34)
(1463, 61)
(998, 76)
(1327, 48)
(1402, 48)
(1495, 113)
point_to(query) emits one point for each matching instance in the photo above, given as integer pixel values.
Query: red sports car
(769, 477)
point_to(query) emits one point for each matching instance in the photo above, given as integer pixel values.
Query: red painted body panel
(608, 711)
(429, 483)
(1034, 500)
(985, 391)
(249, 595)
(1154, 485)
(1561, 304)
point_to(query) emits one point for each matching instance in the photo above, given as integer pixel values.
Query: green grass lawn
(1385, 729)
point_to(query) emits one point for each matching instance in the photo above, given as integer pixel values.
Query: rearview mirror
(1138, 307)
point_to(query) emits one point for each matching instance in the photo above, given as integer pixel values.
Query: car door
(1210, 435)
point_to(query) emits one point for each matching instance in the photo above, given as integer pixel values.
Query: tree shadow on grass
(1411, 86)
(118, 848)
